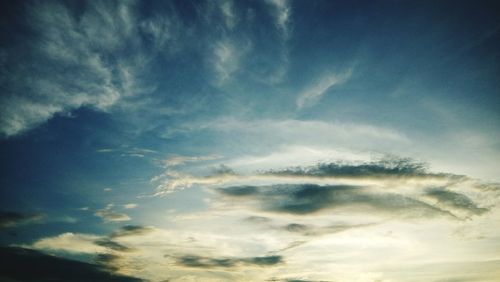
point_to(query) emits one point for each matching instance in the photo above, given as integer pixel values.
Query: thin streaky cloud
(313, 94)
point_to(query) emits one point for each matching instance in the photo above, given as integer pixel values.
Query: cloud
(107, 214)
(130, 206)
(306, 199)
(13, 219)
(131, 230)
(20, 264)
(391, 185)
(311, 230)
(313, 94)
(226, 59)
(72, 243)
(180, 160)
(206, 262)
(107, 243)
(386, 167)
(455, 201)
(227, 8)
(171, 181)
(71, 62)
(282, 12)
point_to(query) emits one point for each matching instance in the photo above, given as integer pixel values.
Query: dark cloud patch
(388, 167)
(240, 191)
(106, 259)
(131, 230)
(311, 198)
(455, 200)
(205, 262)
(13, 219)
(110, 244)
(20, 264)
(311, 230)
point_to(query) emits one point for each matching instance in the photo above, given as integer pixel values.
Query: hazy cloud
(282, 12)
(71, 62)
(180, 160)
(313, 94)
(206, 262)
(131, 230)
(107, 214)
(13, 219)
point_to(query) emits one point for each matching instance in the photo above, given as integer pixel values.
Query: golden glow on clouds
(375, 228)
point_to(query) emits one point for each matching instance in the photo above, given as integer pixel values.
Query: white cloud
(70, 242)
(130, 206)
(314, 93)
(282, 14)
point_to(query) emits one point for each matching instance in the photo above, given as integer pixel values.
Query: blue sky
(251, 140)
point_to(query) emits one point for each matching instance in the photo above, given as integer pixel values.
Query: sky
(269, 140)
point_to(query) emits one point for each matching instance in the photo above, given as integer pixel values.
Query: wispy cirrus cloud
(71, 62)
(313, 94)
(282, 12)
(180, 160)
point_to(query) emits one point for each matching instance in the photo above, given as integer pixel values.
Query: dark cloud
(455, 200)
(110, 244)
(387, 167)
(106, 259)
(311, 230)
(312, 198)
(240, 191)
(12, 219)
(20, 264)
(206, 262)
(131, 230)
